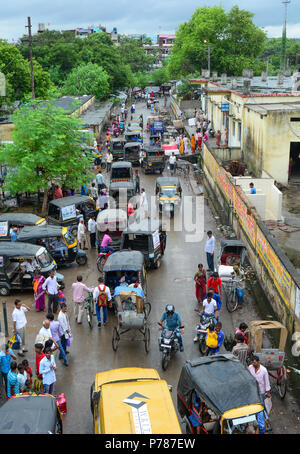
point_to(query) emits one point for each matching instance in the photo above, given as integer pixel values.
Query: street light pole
(208, 56)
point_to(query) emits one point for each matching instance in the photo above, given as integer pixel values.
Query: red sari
(200, 279)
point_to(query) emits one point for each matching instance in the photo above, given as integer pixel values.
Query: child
(211, 340)
(28, 370)
(28, 387)
(61, 294)
(22, 377)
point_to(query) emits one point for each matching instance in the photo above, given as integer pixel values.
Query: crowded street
(172, 283)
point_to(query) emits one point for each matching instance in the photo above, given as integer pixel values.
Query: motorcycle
(204, 323)
(168, 345)
(101, 260)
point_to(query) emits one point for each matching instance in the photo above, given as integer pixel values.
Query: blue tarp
(123, 288)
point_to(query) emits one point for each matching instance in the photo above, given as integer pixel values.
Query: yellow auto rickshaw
(168, 194)
(132, 400)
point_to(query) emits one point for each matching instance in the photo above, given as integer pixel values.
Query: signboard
(225, 107)
(246, 220)
(68, 212)
(224, 183)
(156, 239)
(280, 276)
(3, 228)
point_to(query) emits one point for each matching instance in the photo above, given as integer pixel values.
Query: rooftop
(96, 113)
(263, 109)
(72, 103)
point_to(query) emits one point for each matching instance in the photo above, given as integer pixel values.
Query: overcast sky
(135, 16)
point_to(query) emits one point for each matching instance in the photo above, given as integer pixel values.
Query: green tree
(89, 79)
(132, 53)
(46, 149)
(272, 52)
(235, 42)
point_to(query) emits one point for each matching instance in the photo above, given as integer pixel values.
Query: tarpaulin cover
(222, 381)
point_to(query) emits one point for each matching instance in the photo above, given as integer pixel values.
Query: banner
(68, 212)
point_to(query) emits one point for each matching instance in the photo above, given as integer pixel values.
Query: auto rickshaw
(21, 220)
(46, 236)
(113, 222)
(147, 237)
(153, 160)
(12, 255)
(131, 153)
(116, 147)
(30, 414)
(121, 192)
(122, 267)
(132, 314)
(134, 136)
(67, 211)
(132, 400)
(121, 171)
(228, 395)
(271, 358)
(168, 194)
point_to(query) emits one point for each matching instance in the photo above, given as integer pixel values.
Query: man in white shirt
(210, 307)
(92, 231)
(63, 320)
(172, 161)
(210, 249)
(143, 204)
(19, 323)
(45, 334)
(81, 237)
(109, 160)
(101, 297)
(51, 287)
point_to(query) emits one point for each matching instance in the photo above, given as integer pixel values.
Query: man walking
(57, 332)
(240, 350)
(51, 287)
(143, 204)
(92, 231)
(19, 323)
(109, 160)
(47, 370)
(65, 325)
(100, 181)
(78, 289)
(210, 249)
(101, 297)
(261, 375)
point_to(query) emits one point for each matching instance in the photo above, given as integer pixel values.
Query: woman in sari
(193, 143)
(200, 280)
(39, 293)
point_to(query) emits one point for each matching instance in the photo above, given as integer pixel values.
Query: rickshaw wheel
(281, 382)
(81, 260)
(115, 339)
(4, 291)
(147, 339)
(164, 361)
(147, 309)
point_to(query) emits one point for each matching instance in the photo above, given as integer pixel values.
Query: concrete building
(263, 119)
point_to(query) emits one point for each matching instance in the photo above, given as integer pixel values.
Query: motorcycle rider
(209, 309)
(104, 247)
(174, 322)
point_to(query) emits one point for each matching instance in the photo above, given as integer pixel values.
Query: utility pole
(30, 57)
(283, 41)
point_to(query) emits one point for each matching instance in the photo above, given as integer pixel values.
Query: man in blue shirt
(252, 188)
(100, 181)
(12, 380)
(5, 359)
(173, 322)
(221, 336)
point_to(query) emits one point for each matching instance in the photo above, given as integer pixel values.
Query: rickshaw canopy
(121, 164)
(14, 249)
(44, 231)
(71, 200)
(256, 329)
(144, 227)
(124, 261)
(221, 381)
(116, 185)
(168, 181)
(230, 243)
(108, 219)
(22, 219)
(29, 415)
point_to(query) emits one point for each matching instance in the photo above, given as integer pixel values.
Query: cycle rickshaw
(132, 314)
(271, 358)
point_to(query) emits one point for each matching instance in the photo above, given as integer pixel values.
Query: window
(295, 119)
(239, 132)
(233, 128)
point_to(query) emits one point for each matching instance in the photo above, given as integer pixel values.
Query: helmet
(170, 308)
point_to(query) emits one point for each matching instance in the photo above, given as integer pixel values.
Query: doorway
(294, 163)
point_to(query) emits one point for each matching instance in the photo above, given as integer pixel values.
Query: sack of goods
(225, 272)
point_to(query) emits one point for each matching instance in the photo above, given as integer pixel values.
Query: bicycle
(231, 295)
(89, 308)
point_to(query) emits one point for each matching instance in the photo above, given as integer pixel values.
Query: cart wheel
(164, 361)
(147, 309)
(147, 339)
(115, 339)
(281, 382)
(231, 302)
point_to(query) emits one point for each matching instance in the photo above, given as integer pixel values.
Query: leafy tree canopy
(87, 79)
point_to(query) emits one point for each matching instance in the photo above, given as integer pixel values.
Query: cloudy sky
(135, 16)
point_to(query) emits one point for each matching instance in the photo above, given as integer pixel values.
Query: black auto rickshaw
(111, 222)
(226, 394)
(121, 192)
(168, 193)
(122, 267)
(148, 237)
(116, 147)
(153, 160)
(67, 211)
(134, 136)
(131, 152)
(30, 414)
(121, 171)
(19, 220)
(59, 242)
(13, 276)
